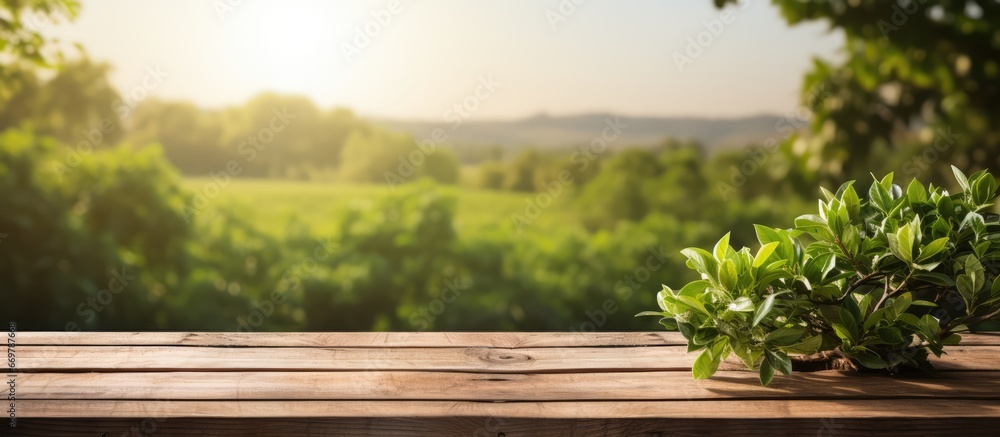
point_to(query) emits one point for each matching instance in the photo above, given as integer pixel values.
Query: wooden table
(472, 384)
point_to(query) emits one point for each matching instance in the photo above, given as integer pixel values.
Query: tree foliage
(921, 78)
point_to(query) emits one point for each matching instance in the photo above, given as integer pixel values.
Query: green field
(272, 202)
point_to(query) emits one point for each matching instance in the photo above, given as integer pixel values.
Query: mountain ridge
(553, 132)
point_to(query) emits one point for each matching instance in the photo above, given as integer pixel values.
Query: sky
(417, 59)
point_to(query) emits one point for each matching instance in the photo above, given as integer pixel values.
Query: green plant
(877, 283)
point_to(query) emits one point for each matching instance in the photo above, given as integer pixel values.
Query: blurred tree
(491, 175)
(371, 156)
(22, 43)
(90, 248)
(74, 106)
(914, 72)
(441, 166)
(21, 103)
(622, 190)
(191, 138)
(78, 104)
(272, 132)
(521, 172)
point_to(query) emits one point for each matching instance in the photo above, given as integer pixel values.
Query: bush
(877, 283)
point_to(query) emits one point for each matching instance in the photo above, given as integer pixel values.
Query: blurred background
(260, 165)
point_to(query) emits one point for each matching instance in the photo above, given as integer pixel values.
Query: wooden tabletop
(462, 383)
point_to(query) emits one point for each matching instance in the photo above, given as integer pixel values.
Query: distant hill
(545, 131)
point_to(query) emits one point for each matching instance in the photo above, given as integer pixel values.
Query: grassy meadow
(272, 203)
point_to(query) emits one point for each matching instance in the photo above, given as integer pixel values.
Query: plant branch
(888, 293)
(860, 282)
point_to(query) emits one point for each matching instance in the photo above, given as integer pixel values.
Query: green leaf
(669, 323)
(940, 228)
(663, 295)
(966, 290)
(852, 202)
(984, 187)
(763, 309)
(742, 305)
(813, 224)
(766, 235)
(934, 278)
(960, 177)
(701, 260)
(827, 194)
(784, 336)
(706, 335)
(868, 359)
(743, 352)
(933, 248)
(879, 197)
(887, 181)
(899, 305)
(687, 330)
(727, 275)
(705, 365)
(651, 313)
(890, 335)
(779, 361)
(766, 373)
(876, 316)
(851, 241)
(931, 325)
(926, 266)
(694, 288)
(916, 192)
(764, 253)
(973, 220)
(843, 333)
(902, 244)
(981, 248)
(694, 304)
(946, 207)
(805, 347)
(722, 248)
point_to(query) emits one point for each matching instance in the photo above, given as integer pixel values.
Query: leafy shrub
(85, 239)
(881, 282)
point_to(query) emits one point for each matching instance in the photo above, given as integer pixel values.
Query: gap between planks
(710, 409)
(384, 339)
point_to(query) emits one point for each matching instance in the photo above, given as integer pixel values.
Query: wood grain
(391, 385)
(470, 383)
(464, 359)
(701, 409)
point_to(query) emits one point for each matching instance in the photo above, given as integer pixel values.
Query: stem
(893, 292)
(974, 321)
(857, 284)
(847, 254)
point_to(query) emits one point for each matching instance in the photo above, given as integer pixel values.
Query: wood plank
(492, 360)
(354, 339)
(404, 385)
(386, 339)
(511, 427)
(695, 409)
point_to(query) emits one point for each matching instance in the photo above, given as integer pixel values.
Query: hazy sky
(615, 56)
